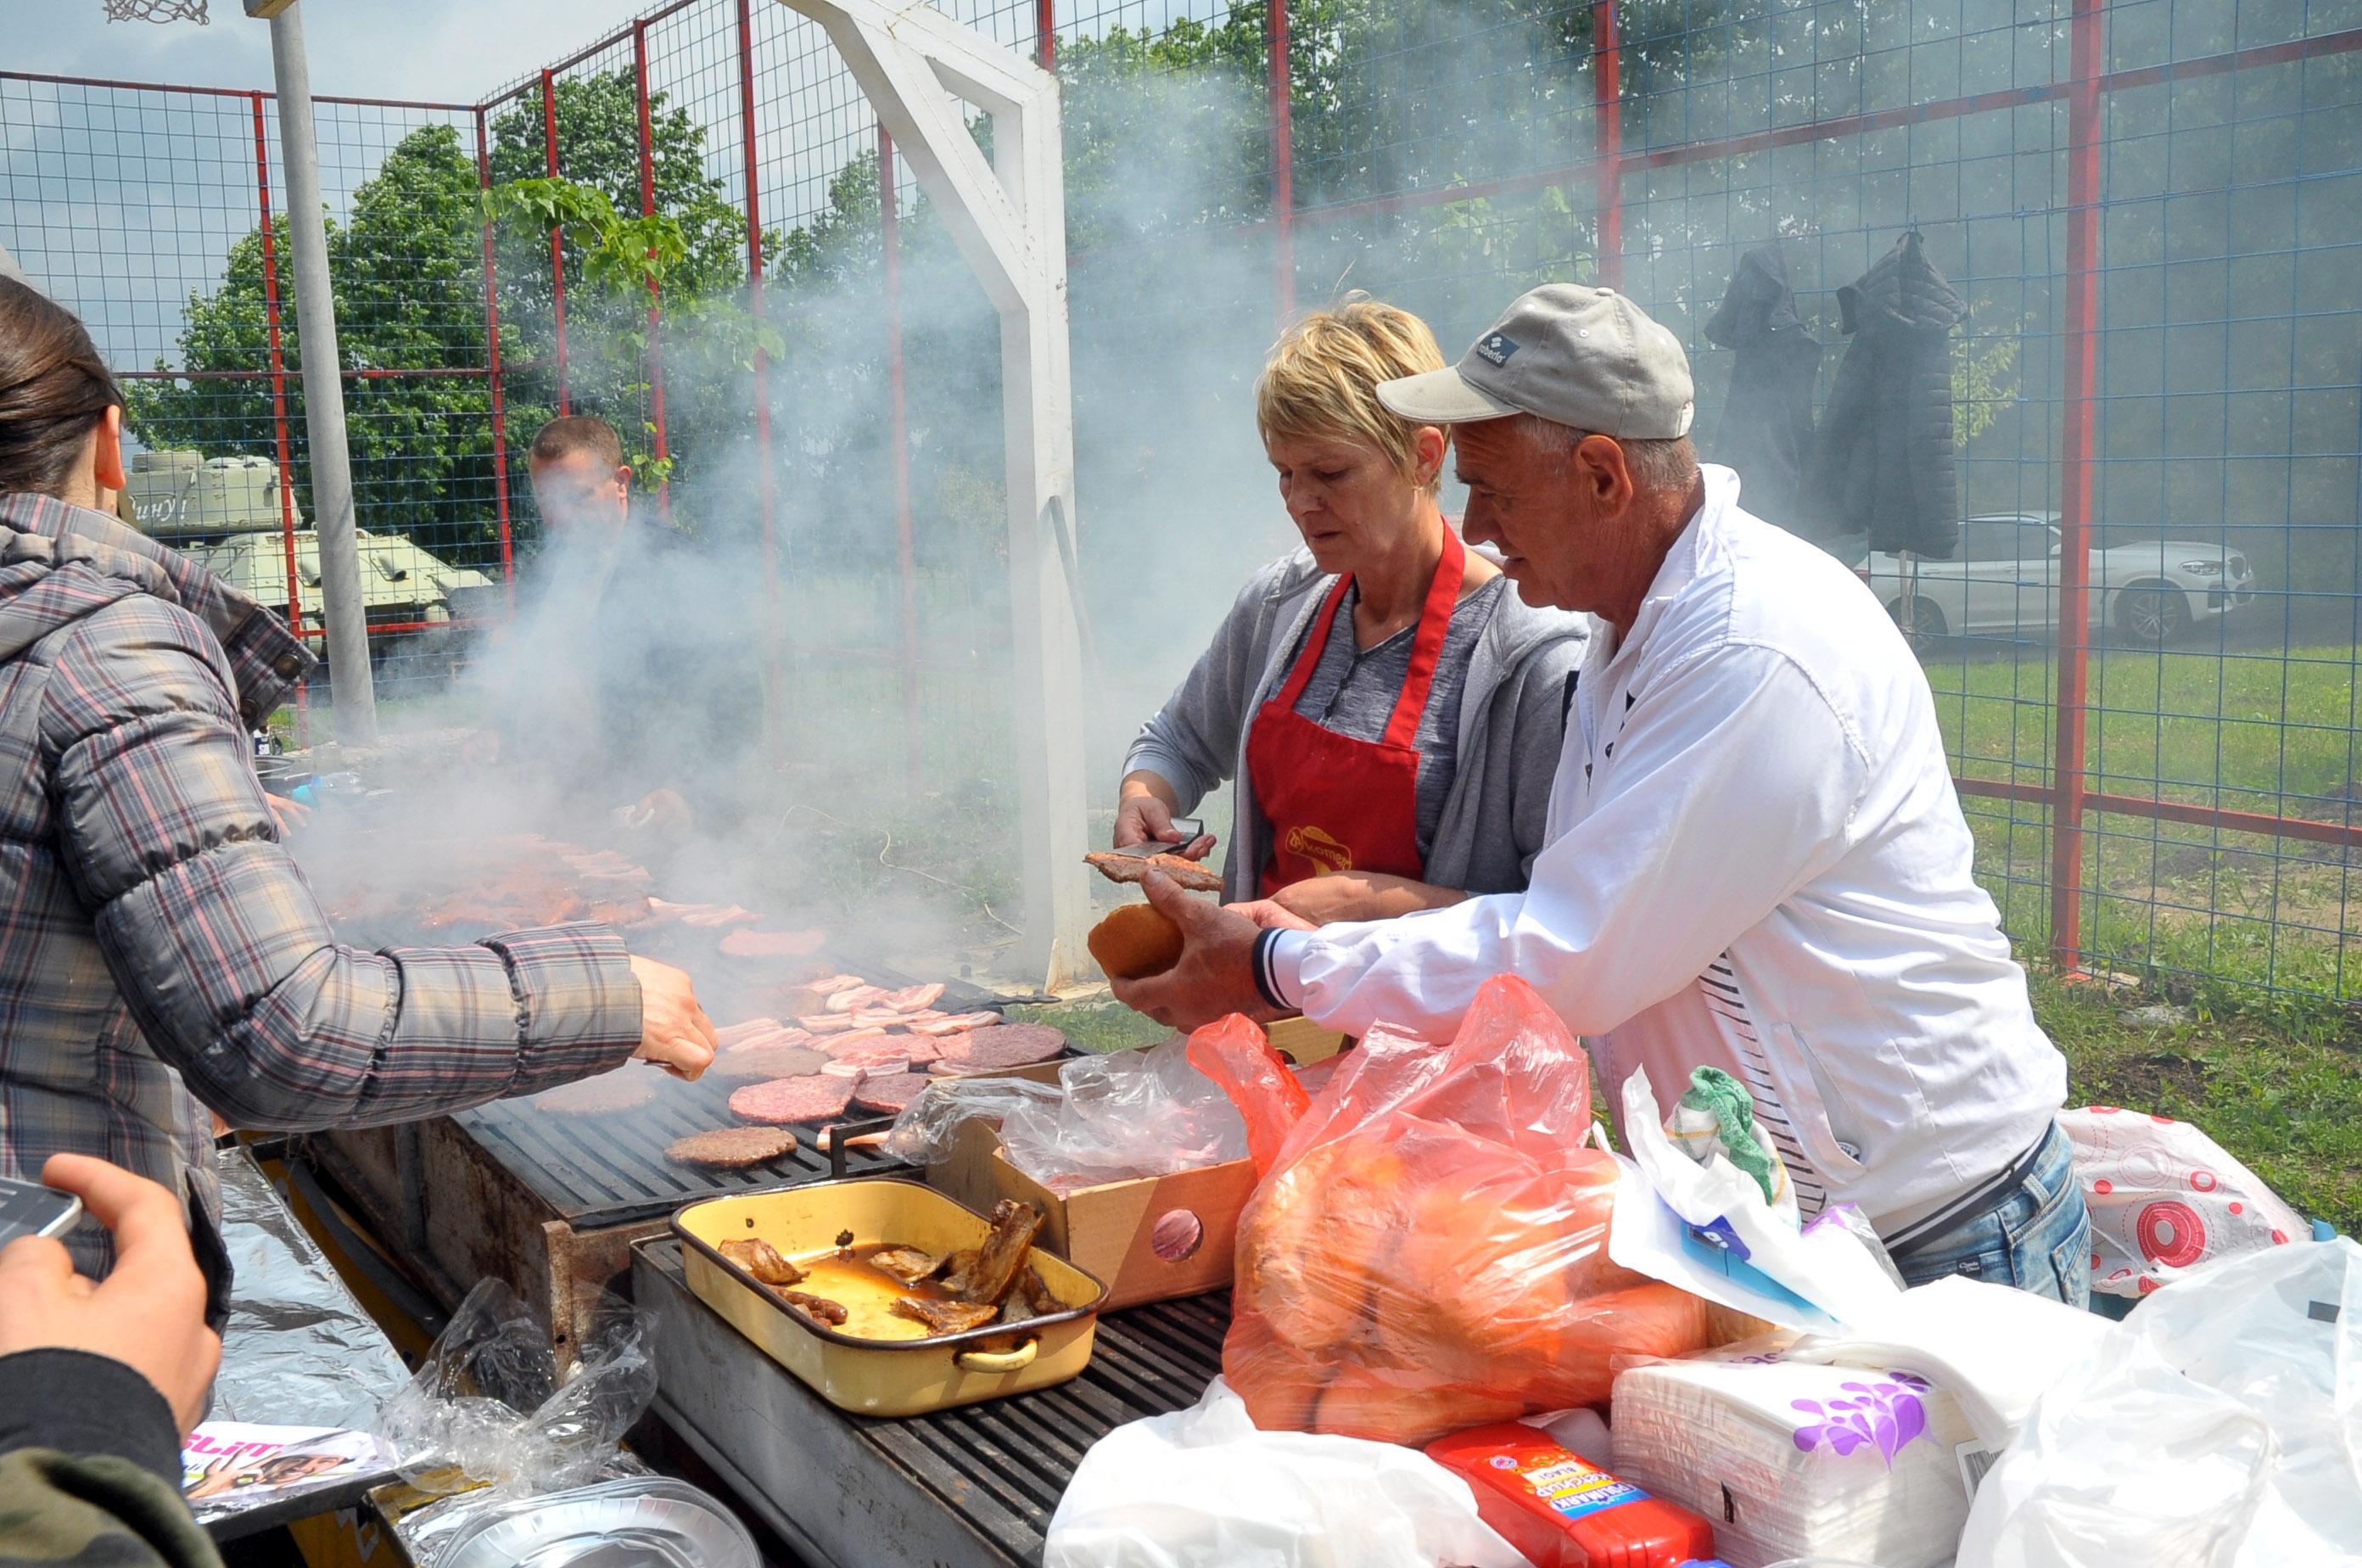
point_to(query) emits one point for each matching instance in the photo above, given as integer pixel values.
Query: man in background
(619, 686)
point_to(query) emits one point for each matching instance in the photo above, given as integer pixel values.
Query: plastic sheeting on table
(298, 1350)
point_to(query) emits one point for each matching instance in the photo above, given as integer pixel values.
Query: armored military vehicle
(225, 513)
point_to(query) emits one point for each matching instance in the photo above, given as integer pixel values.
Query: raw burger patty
(783, 1100)
(1001, 1045)
(626, 1087)
(732, 1148)
(767, 1062)
(893, 1094)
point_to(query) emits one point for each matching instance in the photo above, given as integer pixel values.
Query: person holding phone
(162, 957)
(100, 1381)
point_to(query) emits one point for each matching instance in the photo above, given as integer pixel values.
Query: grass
(2199, 911)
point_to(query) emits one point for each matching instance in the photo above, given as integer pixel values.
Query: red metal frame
(1045, 34)
(2075, 486)
(769, 481)
(278, 368)
(2223, 818)
(906, 563)
(557, 233)
(279, 401)
(1283, 167)
(492, 371)
(654, 353)
(1607, 139)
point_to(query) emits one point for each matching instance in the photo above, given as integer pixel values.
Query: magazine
(230, 1467)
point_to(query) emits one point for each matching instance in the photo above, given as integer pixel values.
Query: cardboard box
(1150, 1239)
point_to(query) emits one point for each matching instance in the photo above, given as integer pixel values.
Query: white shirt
(1756, 861)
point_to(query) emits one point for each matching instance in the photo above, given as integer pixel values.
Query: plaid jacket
(158, 946)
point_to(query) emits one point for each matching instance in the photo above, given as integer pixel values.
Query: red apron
(1335, 803)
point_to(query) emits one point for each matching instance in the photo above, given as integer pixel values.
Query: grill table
(970, 1486)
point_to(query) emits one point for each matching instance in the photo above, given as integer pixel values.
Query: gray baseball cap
(1585, 357)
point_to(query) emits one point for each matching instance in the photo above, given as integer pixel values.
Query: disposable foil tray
(616, 1524)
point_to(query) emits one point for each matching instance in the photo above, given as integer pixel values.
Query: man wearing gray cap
(1756, 859)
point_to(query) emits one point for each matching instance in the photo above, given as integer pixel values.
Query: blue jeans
(2036, 1235)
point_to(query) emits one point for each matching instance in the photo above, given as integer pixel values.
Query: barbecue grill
(550, 1203)
(972, 1485)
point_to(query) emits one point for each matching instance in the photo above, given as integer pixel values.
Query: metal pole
(655, 356)
(1283, 169)
(323, 390)
(2069, 783)
(278, 406)
(1045, 34)
(905, 554)
(557, 235)
(493, 372)
(1607, 135)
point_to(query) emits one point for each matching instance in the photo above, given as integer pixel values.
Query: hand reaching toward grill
(675, 1033)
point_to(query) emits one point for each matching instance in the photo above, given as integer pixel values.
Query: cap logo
(1497, 348)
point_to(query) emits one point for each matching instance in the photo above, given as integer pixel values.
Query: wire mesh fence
(2143, 649)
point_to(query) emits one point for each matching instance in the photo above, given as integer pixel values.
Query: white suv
(2004, 579)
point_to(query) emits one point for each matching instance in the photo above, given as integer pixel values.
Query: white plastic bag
(2166, 1199)
(1202, 1488)
(2220, 1426)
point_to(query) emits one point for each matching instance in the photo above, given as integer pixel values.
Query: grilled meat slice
(1002, 1256)
(1037, 1296)
(760, 1258)
(1191, 874)
(816, 1306)
(945, 1316)
(908, 1265)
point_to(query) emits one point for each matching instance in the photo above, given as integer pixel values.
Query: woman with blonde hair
(1389, 709)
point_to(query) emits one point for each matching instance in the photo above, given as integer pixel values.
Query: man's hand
(149, 1314)
(662, 811)
(675, 1033)
(1214, 976)
(289, 814)
(1144, 819)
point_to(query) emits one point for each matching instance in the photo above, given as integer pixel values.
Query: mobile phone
(28, 1209)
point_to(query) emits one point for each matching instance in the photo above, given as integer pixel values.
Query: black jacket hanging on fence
(1767, 421)
(1882, 463)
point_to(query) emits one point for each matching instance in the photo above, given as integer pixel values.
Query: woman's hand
(289, 814)
(1354, 895)
(1145, 816)
(1270, 914)
(675, 1033)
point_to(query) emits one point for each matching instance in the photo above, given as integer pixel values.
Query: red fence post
(2069, 782)
(774, 726)
(1282, 168)
(557, 233)
(1045, 34)
(1608, 137)
(493, 372)
(889, 244)
(279, 396)
(654, 353)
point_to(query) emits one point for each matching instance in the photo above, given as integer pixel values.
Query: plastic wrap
(1111, 1118)
(1202, 1488)
(2220, 1425)
(490, 1407)
(1429, 1250)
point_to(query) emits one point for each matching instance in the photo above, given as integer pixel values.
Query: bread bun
(1135, 940)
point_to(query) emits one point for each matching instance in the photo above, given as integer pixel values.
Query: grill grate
(597, 1171)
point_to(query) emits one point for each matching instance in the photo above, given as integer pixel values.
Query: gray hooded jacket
(1512, 715)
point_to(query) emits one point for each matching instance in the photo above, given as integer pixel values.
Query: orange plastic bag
(1429, 1250)
(1237, 1056)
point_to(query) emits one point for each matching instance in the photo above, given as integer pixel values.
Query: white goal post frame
(1007, 214)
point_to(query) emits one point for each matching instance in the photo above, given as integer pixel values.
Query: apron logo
(1498, 349)
(1324, 852)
